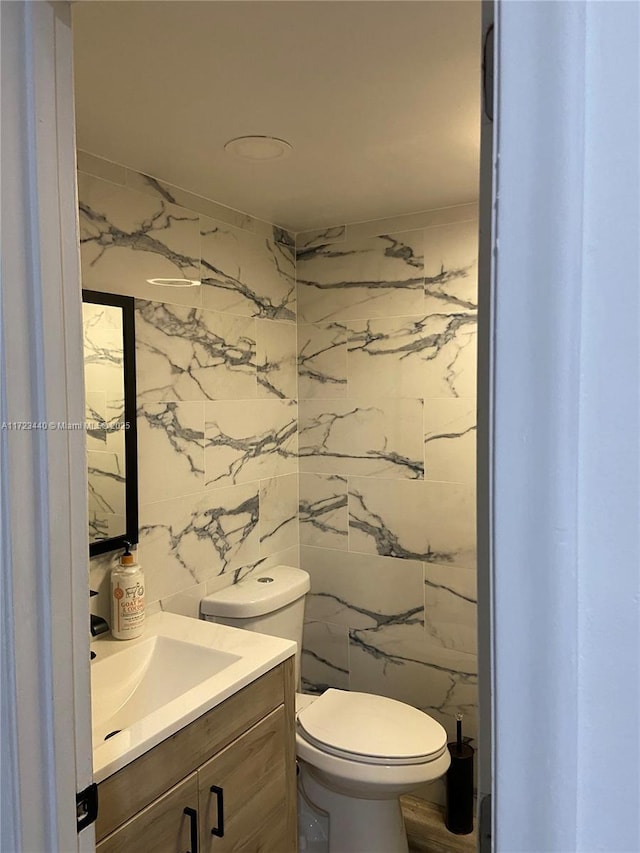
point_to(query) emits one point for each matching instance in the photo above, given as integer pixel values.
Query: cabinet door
(163, 827)
(247, 793)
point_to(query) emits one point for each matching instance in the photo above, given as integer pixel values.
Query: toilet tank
(269, 601)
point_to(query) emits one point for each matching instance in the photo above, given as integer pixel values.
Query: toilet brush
(459, 782)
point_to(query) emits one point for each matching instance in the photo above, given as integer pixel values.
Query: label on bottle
(127, 601)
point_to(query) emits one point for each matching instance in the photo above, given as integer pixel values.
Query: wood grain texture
(427, 832)
(290, 687)
(252, 773)
(144, 780)
(162, 827)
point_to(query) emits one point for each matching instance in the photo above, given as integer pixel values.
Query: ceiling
(380, 100)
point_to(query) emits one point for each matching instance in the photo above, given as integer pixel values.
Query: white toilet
(357, 752)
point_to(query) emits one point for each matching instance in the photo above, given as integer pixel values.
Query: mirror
(110, 406)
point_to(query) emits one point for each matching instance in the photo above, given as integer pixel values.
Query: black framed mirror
(110, 403)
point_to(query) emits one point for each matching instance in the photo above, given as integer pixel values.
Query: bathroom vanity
(225, 780)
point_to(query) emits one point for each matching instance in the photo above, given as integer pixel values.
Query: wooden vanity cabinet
(242, 791)
(163, 827)
(239, 781)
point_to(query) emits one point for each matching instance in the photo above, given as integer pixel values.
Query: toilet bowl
(357, 752)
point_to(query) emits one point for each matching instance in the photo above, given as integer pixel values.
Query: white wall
(46, 733)
(565, 464)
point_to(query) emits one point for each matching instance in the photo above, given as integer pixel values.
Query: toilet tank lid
(262, 591)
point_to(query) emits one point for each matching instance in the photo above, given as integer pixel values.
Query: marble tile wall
(216, 380)
(387, 385)
(359, 465)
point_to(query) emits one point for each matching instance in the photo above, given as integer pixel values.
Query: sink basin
(134, 682)
(145, 690)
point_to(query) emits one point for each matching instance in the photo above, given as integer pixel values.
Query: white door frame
(559, 558)
(560, 555)
(46, 733)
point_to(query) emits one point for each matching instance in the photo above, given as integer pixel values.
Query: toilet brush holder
(459, 784)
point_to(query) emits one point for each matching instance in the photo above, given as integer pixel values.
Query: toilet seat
(371, 729)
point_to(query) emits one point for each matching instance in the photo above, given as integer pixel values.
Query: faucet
(97, 624)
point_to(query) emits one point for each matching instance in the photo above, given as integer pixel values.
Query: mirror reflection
(110, 416)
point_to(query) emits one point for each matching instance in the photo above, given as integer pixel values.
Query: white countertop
(256, 655)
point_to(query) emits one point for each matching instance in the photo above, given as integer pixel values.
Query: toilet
(357, 752)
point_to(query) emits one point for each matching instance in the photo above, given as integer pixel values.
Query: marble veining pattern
(281, 235)
(450, 607)
(106, 481)
(246, 274)
(451, 268)
(367, 278)
(432, 522)
(189, 540)
(276, 359)
(407, 354)
(245, 442)
(288, 557)
(324, 516)
(361, 590)
(171, 457)
(389, 333)
(104, 412)
(385, 368)
(204, 206)
(320, 237)
(396, 661)
(188, 353)
(98, 526)
(373, 438)
(322, 360)
(103, 236)
(278, 514)
(127, 238)
(450, 439)
(186, 601)
(325, 659)
(385, 541)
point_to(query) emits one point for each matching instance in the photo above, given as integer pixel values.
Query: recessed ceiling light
(259, 148)
(174, 282)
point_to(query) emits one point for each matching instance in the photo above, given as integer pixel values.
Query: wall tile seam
(213, 491)
(353, 397)
(326, 325)
(375, 554)
(234, 212)
(144, 505)
(387, 478)
(373, 397)
(357, 225)
(255, 317)
(206, 584)
(371, 318)
(425, 640)
(342, 551)
(466, 659)
(417, 560)
(461, 213)
(468, 211)
(205, 400)
(389, 232)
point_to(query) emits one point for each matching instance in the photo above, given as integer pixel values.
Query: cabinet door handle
(219, 830)
(192, 814)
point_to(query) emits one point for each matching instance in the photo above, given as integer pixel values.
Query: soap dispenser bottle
(127, 597)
